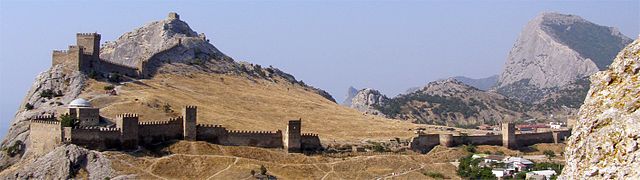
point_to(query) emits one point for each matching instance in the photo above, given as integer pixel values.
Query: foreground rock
(605, 142)
(65, 162)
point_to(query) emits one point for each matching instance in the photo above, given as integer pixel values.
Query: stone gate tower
(509, 135)
(128, 125)
(90, 42)
(292, 136)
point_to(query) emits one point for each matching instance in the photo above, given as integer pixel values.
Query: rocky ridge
(605, 143)
(451, 102)
(351, 92)
(554, 50)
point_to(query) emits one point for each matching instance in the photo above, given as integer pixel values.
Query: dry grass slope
(245, 104)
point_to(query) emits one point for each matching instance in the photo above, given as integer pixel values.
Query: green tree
(67, 121)
(470, 148)
(549, 153)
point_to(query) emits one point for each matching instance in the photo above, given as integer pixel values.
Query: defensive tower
(509, 135)
(128, 125)
(292, 136)
(189, 123)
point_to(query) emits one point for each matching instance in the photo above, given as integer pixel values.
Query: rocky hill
(605, 144)
(452, 102)
(351, 92)
(481, 83)
(554, 50)
(366, 100)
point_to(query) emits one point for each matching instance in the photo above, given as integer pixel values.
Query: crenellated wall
(266, 139)
(160, 131)
(45, 135)
(310, 142)
(96, 137)
(129, 133)
(111, 67)
(425, 142)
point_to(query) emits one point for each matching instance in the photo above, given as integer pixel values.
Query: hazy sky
(390, 46)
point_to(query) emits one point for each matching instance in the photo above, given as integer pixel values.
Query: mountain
(554, 50)
(452, 102)
(238, 95)
(482, 83)
(604, 142)
(351, 92)
(366, 100)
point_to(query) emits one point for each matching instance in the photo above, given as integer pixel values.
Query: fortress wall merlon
(309, 135)
(254, 138)
(45, 117)
(96, 137)
(209, 125)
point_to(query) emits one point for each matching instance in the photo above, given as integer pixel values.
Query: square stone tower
(189, 123)
(509, 135)
(293, 136)
(128, 124)
(90, 43)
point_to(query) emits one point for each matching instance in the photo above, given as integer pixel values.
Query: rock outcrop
(606, 140)
(451, 102)
(64, 162)
(351, 92)
(554, 50)
(481, 83)
(368, 100)
(50, 91)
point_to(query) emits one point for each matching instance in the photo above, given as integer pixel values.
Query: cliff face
(554, 50)
(367, 100)
(50, 92)
(351, 92)
(605, 141)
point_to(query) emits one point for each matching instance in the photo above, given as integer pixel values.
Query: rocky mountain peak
(604, 143)
(149, 42)
(367, 100)
(446, 87)
(351, 92)
(554, 50)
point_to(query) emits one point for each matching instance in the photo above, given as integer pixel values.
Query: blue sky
(386, 45)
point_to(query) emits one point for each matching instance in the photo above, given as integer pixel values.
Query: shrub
(435, 175)
(263, 170)
(47, 93)
(109, 87)
(549, 153)
(67, 121)
(14, 149)
(93, 74)
(28, 106)
(470, 148)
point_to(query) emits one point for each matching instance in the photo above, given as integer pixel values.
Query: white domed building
(86, 114)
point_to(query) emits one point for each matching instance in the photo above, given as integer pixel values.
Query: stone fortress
(509, 139)
(48, 133)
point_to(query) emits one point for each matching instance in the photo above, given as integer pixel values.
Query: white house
(545, 174)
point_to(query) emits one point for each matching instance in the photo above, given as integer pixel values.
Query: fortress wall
(70, 57)
(96, 137)
(151, 132)
(108, 66)
(424, 142)
(255, 138)
(44, 136)
(534, 138)
(211, 133)
(478, 140)
(310, 142)
(561, 136)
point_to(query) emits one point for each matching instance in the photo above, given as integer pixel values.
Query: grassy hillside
(188, 160)
(244, 103)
